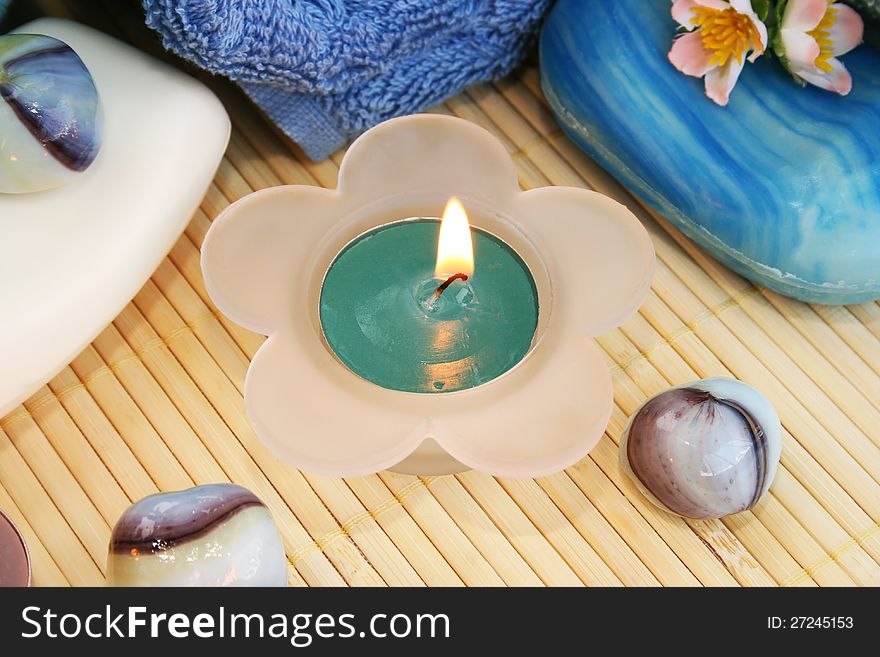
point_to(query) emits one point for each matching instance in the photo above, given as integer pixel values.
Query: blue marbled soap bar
(782, 185)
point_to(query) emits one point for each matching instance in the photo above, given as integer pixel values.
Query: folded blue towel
(326, 70)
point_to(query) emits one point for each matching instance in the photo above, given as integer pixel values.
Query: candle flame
(455, 250)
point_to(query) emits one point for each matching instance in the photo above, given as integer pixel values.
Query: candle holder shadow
(266, 257)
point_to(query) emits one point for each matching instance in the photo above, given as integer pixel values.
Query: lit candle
(341, 281)
(425, 306)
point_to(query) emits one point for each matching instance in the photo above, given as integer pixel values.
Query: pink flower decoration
(811, 36)
(720, 35)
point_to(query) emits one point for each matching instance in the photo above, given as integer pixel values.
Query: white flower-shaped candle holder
(266, 257)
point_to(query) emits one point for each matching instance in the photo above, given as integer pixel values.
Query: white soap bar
(72, 257)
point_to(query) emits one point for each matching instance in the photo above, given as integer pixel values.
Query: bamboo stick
(106, 442)
(814, 560)
(202, 322)
(854, 554)
(431, 564)
(756, 539)
(127, 419)
(79, 510)
(527, 498)
(252, 168)
(215, 200)
(824, 327)
(467, 561)
(853, 325)
(156, 406)
(44, 570)
(479, 529)
(868, 315)
(547, 517)
(597, 531)
(62, 539)
(519, 530)
(66, 446)
(357, 522)
(230, 183)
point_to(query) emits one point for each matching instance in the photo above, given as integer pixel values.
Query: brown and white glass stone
(703, 450)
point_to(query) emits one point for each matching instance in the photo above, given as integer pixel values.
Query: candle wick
(442, 287)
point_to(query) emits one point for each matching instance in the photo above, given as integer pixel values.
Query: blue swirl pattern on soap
(782, 185)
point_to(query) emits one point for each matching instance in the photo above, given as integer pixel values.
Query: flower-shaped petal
(720, 81)
(315, 414)
(838, 79)
(803, 15)
(848, 29)
(800, 48)
(396, 157)
(249, 265)
(762, 37)
(689, 55)
(683, 10)
(600, 257)
(511, 429)
(743, 6)
(264, 261)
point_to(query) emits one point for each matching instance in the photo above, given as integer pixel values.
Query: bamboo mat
(154, 404)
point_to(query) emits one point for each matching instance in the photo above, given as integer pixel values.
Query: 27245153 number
(810, 623)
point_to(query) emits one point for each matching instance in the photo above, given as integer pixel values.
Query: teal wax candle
(382, 316)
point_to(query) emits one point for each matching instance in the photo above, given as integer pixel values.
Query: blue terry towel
(326, 70)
